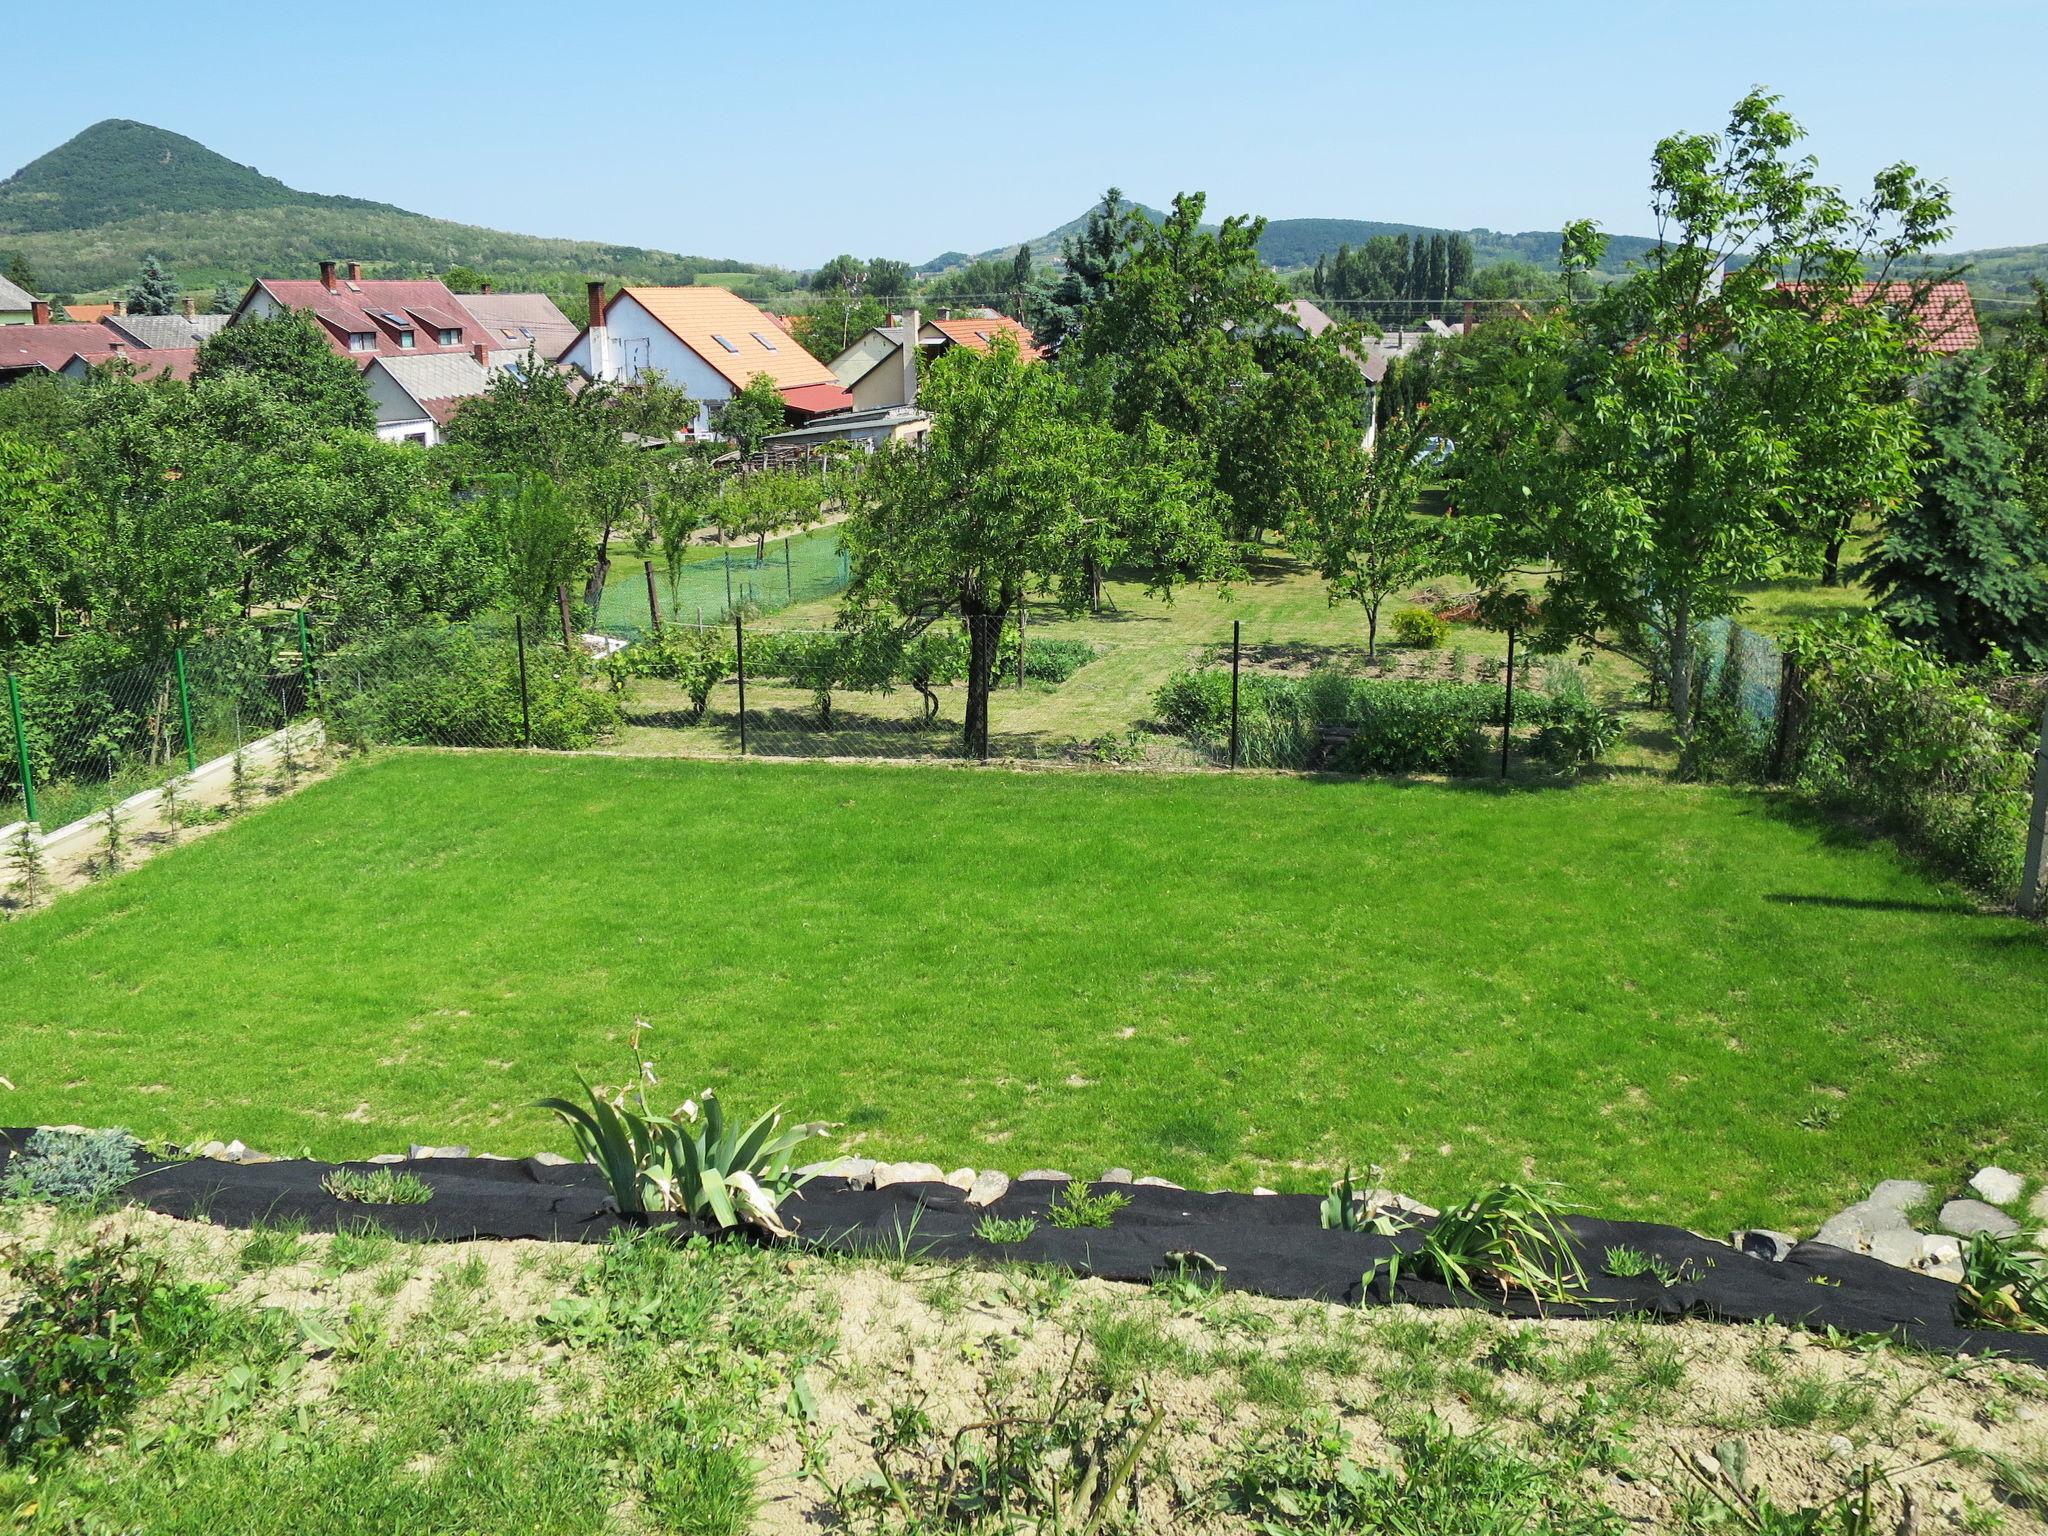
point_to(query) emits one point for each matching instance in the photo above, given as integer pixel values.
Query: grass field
(1675, 1000)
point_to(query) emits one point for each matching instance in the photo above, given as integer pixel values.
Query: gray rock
(857, 1171)
(1387, 1202)
(233, 1152)
(417, 1153)
(989, 1186)
(1156, 1183)
(1116, 1176)
(961, 1179)
(1897, 1194)
(386, 1157)
(1854, 1227)
(1031, 1174)
(551, 1160)
(1997, 1185)
(1840, 1446)
(1952, 1271)
(211, 1149)
(2038, 1206)
(1762, 1243)
(1966, 1217)
(908, 1173)
(1898, 1247)
(1260, 1189)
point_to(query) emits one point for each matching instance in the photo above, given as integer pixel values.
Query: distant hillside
(1291, 243)
(85, 214)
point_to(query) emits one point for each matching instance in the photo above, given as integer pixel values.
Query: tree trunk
(1680, 681)
(1372, 631)
(1831, 558)
(593, 589)
(1094, 586)
(984, 633)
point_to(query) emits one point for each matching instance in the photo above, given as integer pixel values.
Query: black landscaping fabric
(1271, 1245)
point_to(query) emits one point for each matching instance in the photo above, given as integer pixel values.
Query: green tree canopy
(1647, 453)
(154, 291)
(751, 415)
(1959, 565)
(289, 353)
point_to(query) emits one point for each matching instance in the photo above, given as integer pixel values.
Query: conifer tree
(155, 292)
(1959, 565)
(225, 297)
(31, 873)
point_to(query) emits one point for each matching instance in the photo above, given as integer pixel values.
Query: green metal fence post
(28, 781)
(525, 704)
(306, 659)
(185, 712)
(739, 651)
(728, 578)
(788, 575)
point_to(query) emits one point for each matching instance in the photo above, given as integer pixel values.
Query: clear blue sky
(791, 131)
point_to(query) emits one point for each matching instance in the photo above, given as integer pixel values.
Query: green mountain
(1294, 243)
(84, 215)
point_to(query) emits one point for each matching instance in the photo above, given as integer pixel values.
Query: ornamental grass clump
(380, 1186)
(2002, 1287)
(1509, 1239)
(693, 1161)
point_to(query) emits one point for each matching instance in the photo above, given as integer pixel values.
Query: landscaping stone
(1897, 1194)
(233, 1152)
(989, 1186)
(211, 1149)
(1967, 1217)
(961, 1179)
(1853, 1228)
(1043, 1173)
(1997, 1185)
(908, 1173)
(551, 1160)
(1762, 1243)
(1115, 1176)
(386, 1157)
(1897, 1246)
(1390, 1203)
(1260, 1189)
(2038, 1206)
(417, 1153)
(1156, 1183)
(857, 1171)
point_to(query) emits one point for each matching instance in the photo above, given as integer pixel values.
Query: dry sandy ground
(965, 1344)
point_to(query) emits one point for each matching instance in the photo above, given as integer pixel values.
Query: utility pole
(2031, 896)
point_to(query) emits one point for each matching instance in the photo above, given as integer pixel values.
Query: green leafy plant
(1577, 735)
(692, 1161)
(1509, 1238)
(696, 659)
(241, 784)
(2002, 1287)
(113, 842)
(88, 1336)
(1005, 1229)
(1419, 629)
(379, 1186)
(1075, 1207)
(1344, 1209)
(73, 1167)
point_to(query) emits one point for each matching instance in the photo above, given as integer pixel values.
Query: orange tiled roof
(1946, 313)
(753, 343)
(976, 332)
(88, 314)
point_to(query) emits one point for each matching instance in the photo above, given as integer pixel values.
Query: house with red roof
(1943, 315)
(370, 317)
(71, 351)
(872, 370)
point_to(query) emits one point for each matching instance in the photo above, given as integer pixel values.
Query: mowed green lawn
(1674, 1000)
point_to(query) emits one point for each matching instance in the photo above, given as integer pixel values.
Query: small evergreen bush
(73, 1167)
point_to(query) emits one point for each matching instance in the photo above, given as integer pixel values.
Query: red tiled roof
(1946, 313)
(817, 399)
(976, 331)
(425, 303)
(52, 346)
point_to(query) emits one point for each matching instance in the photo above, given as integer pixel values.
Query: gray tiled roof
(166, 330)
(438, 375)
(13, 297)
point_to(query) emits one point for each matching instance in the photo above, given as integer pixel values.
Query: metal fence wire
(1739, 669)
(713, 583)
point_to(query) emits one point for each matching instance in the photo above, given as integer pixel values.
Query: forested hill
(84, 215)
(1298, 242)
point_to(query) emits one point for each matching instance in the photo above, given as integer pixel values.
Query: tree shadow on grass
(1880, 904)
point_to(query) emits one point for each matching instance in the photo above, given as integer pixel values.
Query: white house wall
(640, 343)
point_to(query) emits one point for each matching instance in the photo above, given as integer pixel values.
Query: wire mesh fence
(712, 583)
(84, 737)
(1740, 669)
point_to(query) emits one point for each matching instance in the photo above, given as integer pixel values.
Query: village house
(72, 350)
(871, 368)
(15, 302)
(521, 322)
(708, 342)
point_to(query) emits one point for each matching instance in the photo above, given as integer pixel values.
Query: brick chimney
(191, 307)
(355, 271)
(39, 312)
(120, 306)
(1469, 308)
(481, 351)
(327, 276)
(483, 287)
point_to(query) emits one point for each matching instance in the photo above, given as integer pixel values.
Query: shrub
(1420, 629)
(1045, 661)
(1894, 734)
(452, 686)
(1576, 734)
(1194, 703)
(73, 1167)
(87, 1338)
(698, 660)
(1419, 727)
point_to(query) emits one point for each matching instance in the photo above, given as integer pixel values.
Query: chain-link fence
(84, 736)
(713, 583)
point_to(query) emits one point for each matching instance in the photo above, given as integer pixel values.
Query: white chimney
(601, 365)
(910, 329)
